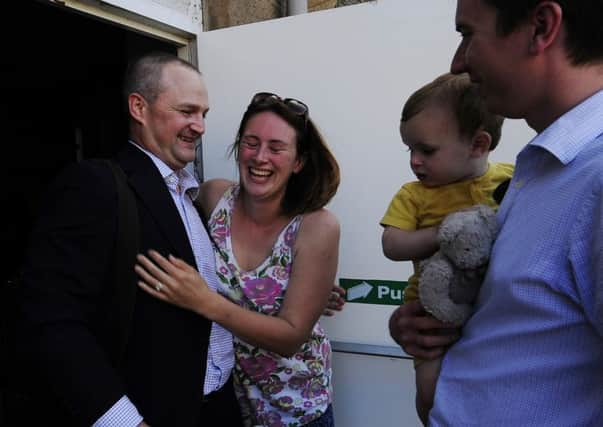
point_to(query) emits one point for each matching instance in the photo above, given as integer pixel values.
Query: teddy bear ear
(449, 228)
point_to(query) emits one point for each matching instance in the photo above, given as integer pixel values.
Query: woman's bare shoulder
(321, 222)
(210, 192)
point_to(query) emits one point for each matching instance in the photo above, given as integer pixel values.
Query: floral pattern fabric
(273, 390)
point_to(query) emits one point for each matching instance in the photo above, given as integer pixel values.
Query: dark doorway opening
(60, 91)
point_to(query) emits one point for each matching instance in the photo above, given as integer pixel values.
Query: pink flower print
(310, 387)
(257, 404)
(327, 355)
(314, 388)
(290, 236)
(280, 272)
(299, 381)
(306, 352)
(263, 290)
(257, 368)
(271, 419)
(285, 403)
(219, 235)
(314, 366)
(273, 386)
(232, 267)
(220, 218)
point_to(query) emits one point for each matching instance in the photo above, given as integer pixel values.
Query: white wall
(354, 66)
(184, 15)
(382, 396)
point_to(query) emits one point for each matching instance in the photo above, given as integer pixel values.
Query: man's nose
(458, 64)
(198, 124)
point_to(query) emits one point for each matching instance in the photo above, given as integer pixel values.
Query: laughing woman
(276, 254)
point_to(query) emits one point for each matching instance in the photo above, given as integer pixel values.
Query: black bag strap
(126, 249)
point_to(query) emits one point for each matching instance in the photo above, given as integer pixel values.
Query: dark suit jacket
(65, 304)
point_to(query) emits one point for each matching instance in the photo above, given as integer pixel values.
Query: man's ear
(546, 19)
(480, 143)
(137, 106)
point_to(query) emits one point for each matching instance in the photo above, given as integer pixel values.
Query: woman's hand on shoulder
(174, 281)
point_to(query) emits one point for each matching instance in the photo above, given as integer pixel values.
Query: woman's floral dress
(273, 390)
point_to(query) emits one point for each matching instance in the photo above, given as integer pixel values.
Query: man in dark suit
(176, 366)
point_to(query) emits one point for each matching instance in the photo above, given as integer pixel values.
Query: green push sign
(384, 292)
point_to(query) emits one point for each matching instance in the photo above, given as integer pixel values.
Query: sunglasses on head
(294, 105)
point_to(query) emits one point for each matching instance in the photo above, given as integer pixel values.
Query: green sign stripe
(371, 291)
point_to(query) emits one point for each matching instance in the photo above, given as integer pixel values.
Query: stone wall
(227, 13)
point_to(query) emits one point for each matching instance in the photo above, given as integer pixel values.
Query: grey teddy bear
(450, 279)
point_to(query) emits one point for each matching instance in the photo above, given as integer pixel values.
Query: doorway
(60, 91)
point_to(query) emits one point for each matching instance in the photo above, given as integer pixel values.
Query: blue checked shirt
(220, 359)
(532, 354)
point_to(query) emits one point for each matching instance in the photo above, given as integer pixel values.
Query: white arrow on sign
(360, 290)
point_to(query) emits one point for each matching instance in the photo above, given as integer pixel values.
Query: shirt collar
(571, 132)
(181, 176)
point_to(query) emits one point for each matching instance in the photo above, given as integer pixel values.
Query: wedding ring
(159, 286)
